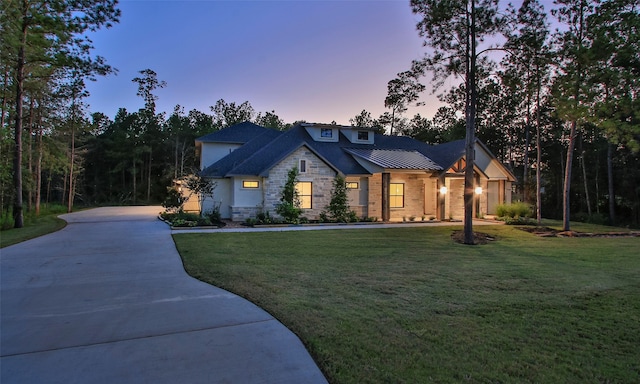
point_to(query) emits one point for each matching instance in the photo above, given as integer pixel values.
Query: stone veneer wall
(413, 196)
(375, 196)
(318, 172)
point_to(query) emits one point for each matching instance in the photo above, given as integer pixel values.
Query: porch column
(386, 211)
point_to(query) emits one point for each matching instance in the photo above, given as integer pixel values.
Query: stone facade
(317, 172)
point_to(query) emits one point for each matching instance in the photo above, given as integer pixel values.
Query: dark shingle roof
(222, 167)
(263, 151)
(239, 134)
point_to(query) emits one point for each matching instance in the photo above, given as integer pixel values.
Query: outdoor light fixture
(443, 190)
(478, 190)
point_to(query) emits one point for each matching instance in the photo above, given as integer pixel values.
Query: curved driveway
(106, 300)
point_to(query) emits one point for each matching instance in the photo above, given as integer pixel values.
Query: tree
(614, 29)
(202, 187)
(289, 206)
(228, 114)
(401, 92)
(452, 31)
(570, 84)
(338, 207)
(270, 120)
(529, 63)
(150, 123)
(51, 33)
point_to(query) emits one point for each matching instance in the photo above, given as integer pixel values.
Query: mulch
(550, 232)
(479, 238)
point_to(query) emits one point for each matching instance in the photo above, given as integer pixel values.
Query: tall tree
(49, 32)
(570, 84)
(150, 123)
(401, 92)
(227, 114)
(452, 31)
(615, 83)
(530, 62)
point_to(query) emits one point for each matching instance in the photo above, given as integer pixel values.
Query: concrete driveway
(106, 300)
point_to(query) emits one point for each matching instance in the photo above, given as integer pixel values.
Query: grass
(409, 305)
(34, 227)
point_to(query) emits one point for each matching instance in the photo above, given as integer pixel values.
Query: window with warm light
(251, 184)
(352, 185)
(305, 191)
(396, 195)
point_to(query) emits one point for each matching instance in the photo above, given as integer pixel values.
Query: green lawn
(33, 228)
(408, 305)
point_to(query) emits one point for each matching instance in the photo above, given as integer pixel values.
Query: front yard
(409, 305)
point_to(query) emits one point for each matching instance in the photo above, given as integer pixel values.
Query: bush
(184, 219)
(174, 201)
(514, 210)
(289, 207)
(6, 220)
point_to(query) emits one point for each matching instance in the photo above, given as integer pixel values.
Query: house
(388, 177)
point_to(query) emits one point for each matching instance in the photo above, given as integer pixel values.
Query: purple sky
(317, 61)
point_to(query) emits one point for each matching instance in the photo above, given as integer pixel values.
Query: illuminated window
(396, 195)
(305, 189)
(326, 132)
(250, 184)
(352, 185)
(363, 135)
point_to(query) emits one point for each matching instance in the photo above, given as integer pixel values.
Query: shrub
(174, 201)
(513, 210)
(289, 207)
(6, 220)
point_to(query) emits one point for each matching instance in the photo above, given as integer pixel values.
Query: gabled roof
(263, 148)
(449, 153)
(237, 134)
(395, 158)
(223, 166)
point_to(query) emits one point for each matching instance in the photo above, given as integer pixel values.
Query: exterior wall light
(478, 190)
(443, 190)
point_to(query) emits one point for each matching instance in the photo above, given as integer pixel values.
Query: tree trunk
(586, 184)
(18, 215)
(134, 182)
(538, 153)
(612, 197)
(470, 128)
(566, 197)
(72, 159)
(30, 157)
(39, 166)
(149, 177)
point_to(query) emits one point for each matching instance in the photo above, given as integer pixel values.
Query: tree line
(537, 97)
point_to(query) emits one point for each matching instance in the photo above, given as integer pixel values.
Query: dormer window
(363, 135)
(326, 132)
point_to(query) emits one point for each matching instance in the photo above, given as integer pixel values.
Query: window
(305, 189)
(352, 185)
(396, 195)
(250, 184)
(326, 132)
(302, 167)
(363, 135)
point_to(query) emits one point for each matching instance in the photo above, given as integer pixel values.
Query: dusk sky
(317, 61)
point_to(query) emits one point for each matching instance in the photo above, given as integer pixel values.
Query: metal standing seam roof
(396, 158)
